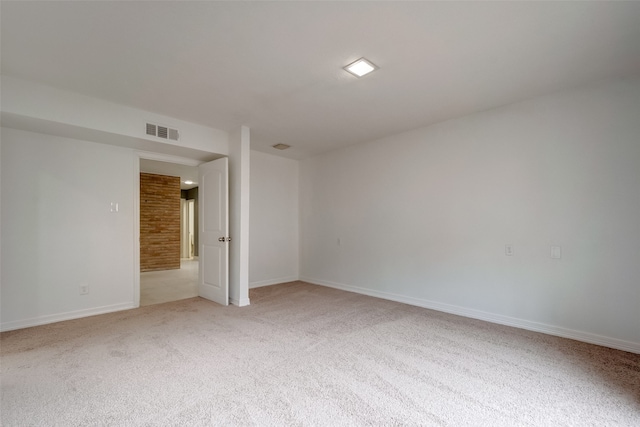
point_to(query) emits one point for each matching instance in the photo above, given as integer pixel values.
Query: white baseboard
(272, 282)
(242, 302)
(587, 337)
(70, 315)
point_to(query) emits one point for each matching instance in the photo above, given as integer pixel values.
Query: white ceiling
(277, 66)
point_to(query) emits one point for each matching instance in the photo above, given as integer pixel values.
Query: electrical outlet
(84, 289)
(508, 250)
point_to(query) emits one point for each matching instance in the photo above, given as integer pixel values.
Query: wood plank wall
(159, 222)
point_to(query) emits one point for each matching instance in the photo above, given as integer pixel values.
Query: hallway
(169, 285)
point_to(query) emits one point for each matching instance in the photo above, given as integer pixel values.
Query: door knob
(224, 239)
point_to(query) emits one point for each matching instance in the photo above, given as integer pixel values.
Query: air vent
(162, 132)
(151, 129)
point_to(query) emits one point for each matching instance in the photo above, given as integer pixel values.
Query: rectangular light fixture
(361, 67)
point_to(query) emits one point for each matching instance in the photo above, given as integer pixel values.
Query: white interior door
(213, 222)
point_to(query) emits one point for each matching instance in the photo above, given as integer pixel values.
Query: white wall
(424, 216)
(35, 107)
(58, 231)
(273, 255)
(239, 211)
(27, 105)
(1, 240)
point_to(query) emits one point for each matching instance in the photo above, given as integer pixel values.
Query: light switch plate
(556, 252)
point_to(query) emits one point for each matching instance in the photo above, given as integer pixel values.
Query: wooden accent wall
(159, 222)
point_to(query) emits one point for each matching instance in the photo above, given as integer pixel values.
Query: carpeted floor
(308, 355)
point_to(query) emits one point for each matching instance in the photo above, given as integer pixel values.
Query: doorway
(166, 285)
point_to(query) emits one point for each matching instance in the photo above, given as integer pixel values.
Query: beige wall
(159, 222)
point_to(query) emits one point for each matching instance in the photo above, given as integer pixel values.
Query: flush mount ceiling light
(361, 67)
(189, 182)
(281, 146)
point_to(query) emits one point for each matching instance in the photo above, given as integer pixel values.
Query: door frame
(191, 232)
(186, 224)
(147, 155)
(184, 227)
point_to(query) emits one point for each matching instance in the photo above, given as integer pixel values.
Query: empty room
(407, 213)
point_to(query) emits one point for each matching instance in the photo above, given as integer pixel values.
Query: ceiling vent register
(162, 132)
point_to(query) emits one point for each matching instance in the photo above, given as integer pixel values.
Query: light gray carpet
(308, 355)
